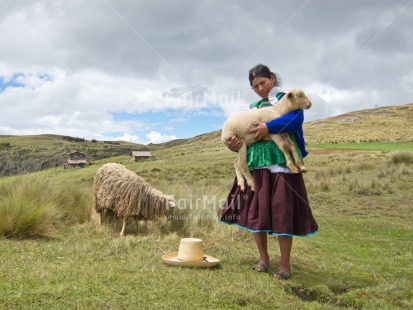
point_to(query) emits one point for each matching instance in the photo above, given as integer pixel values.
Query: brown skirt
(278, 206)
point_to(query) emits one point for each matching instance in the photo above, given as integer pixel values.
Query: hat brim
(172, 259)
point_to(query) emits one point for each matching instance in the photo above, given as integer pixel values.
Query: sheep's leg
(136, 224)
(238, 172)
(285, 148)
(100, 218)
(243, 165)
(122, 232)
(298, 162)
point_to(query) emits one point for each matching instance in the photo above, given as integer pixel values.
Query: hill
(24, 154)
(385, 124)
(392, 123)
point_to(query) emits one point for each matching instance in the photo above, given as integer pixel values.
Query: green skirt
(266, 153)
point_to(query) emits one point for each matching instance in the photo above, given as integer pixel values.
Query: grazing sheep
(125, 193)
(241, 123)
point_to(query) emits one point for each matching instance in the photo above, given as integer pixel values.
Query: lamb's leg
(122, 232)
(238, 172)
(100, 218)
(243, 165)
(285, 148)
(298, 162)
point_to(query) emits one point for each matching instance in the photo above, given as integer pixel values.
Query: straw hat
(190, 254)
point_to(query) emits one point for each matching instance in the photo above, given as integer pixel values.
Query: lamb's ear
(290, 95)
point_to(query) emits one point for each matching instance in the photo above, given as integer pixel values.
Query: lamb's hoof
(252, 187)
(242, 187)
(303, 169)
(294, 169)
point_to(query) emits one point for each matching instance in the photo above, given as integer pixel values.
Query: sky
(154, 71)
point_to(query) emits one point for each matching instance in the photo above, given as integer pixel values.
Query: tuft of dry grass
(33, 207)
(402, 158)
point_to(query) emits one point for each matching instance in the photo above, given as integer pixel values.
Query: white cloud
(82, 61)
(48, 120)
(156, 137)
(129, 138)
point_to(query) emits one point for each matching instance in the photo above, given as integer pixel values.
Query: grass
(360, 259)
(386, 146)
(387, 124)
(32, 207)
(90, 267)
(402, 157)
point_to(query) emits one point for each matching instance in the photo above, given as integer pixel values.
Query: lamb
(126, 194)
(241, 123)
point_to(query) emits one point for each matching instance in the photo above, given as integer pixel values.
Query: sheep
(241, 124)
(127, 195)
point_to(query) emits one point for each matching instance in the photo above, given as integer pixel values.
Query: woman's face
(263, 85)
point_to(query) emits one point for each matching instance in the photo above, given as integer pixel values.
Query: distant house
(76, 160)
(140, 155)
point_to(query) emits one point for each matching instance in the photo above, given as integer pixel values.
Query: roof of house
(141, 154)
(74, 152)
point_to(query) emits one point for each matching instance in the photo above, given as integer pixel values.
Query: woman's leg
(261, 241)
(286, 244)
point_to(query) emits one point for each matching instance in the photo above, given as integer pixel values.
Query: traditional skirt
(278, 206)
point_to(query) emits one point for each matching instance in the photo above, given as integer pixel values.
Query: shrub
(33, 207)
(26, 211)
(5, 146)
(324, 185)
(375, 187)
(402, 157)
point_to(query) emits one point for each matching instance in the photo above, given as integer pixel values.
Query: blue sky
(143, 71)
(5, 83)
(176, 123)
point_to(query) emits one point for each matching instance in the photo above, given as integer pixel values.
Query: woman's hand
(234, 143)
(260, 131)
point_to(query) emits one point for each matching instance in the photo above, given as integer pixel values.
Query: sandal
(260, 267)
(281, 275)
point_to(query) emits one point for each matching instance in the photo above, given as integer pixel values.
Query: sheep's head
(170, 207)
(299, 99)
(170, 202)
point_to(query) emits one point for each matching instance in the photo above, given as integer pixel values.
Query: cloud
(156, 137)
(76, 63)
(128, 137)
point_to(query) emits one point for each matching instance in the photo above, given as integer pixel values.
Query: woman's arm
(292, 121)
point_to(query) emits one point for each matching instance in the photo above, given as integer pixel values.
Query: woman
(279, 204)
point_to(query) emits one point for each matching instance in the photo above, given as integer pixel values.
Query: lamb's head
(298, 99)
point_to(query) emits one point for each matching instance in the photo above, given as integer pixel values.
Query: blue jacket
(291, 122)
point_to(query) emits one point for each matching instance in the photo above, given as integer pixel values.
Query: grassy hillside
(360, 259)
(54, 256)
(24, 154)
(393, 123)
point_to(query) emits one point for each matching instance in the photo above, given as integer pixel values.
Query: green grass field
(386, 146)
(360, 259)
